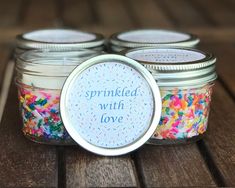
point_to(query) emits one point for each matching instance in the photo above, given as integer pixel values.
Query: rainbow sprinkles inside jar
(40, 78)
(40, 112)
(185, 78)
(184, 112)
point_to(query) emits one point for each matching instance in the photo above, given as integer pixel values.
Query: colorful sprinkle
(40, 112)
(184, 113)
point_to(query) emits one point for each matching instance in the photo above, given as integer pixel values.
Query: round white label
(59, 36)
(165, 55)
(109, 104)
(153, 36)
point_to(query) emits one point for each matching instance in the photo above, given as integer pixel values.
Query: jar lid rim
(115, 40)
(97, 65)
(26, 43)
(208, 59)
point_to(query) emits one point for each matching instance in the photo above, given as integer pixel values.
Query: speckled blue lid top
(110, 105)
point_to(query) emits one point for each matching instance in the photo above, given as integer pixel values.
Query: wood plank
(112, 13)
(9, 12)
(230, 4)
(6, 70)
(221, 138)
(23, 163)
(41, 13)
(212, 35)
(4, 56)
(148, 14)
(225, 65)
(173, 166)
(7, 36)
(206, 34)
(217, 11)
(183, 13)
(221, 135)
(84, 169)
(77, 13)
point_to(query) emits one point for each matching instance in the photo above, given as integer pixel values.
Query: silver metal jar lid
(58, 39)
(153, 37)
(173, 66)
(110, 105)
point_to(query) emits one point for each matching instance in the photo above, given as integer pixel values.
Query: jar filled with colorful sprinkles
(185, 77)
(40, 75)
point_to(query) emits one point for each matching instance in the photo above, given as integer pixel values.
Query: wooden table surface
(207, 163)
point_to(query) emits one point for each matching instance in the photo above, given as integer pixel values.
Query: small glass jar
(185, 77)
(40, 75)
(150, 38)
(58, 40)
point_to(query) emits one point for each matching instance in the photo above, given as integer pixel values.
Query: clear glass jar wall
(185, 77)
(40, 77)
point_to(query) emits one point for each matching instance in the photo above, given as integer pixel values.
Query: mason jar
(58, 40)
(40, 75)
(185, 77)
(150, 38)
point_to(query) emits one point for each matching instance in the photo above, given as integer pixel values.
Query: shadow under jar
(151, 38)
(40, 76)
(185, 77)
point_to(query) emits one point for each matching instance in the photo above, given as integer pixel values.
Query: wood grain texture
(212, 35)
(148, 14)
(84, 169)
(220, 139)
(112, 13)
(23, 163)
(183, 13)
(173, 166)
(39, 14)
(77, 13)
(9, 12)
(7, 36)
(5, 75)
(217, 11)
(4, 56)
(230, 4)
(225, 66)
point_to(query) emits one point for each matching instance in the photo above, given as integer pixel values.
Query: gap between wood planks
(6, 85)
(206, 155)
(214, 158)
(61, 166)
(223, 152)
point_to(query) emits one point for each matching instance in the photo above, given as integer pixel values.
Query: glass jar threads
(151, 38)
(185, 77)
(40, 76)
(58, 40)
